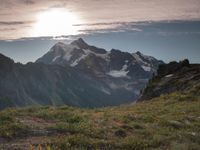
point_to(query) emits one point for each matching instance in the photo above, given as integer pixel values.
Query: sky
(166, 29)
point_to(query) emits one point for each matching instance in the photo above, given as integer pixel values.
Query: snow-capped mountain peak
(84, 56)
(71, 54)
(80, 43)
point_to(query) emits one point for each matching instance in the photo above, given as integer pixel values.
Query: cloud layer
(17, 17)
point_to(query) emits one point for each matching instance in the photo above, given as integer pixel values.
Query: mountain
(174, 77)
(115, 63)
(41, 84)
(76, 74)
(117, 70)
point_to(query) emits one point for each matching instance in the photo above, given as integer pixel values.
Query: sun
(56, 22)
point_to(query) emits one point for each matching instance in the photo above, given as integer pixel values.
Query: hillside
(169, 121)
(41, 84)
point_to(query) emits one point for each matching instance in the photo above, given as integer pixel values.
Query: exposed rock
(173, 77)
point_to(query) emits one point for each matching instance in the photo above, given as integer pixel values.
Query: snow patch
(126, 61)
(124, 67)
(67, 56)
(88, 52)
(103, 56)
(119, 73)
(67, 48)
(78, 60)
(105, 91)
(55, 58)
(169, 75)
(138, 59)
(146, 68)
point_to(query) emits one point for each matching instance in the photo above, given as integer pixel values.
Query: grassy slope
(168, 122)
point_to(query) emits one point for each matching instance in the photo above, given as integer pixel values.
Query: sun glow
(56, 22)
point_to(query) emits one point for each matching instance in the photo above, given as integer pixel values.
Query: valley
(169, 120)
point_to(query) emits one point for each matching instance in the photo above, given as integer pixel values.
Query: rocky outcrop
(175, 76)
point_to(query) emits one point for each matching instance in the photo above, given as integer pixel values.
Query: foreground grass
(171, 121)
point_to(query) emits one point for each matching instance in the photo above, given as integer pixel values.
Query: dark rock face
(172, 77)
(83, 45)
(172, 67)
(76, 74)
(6, 63)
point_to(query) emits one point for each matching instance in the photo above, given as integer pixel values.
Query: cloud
(165, 34)
(109, 27)
(97, 15)
(11, 23)
(29, 2)
(7, 29)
